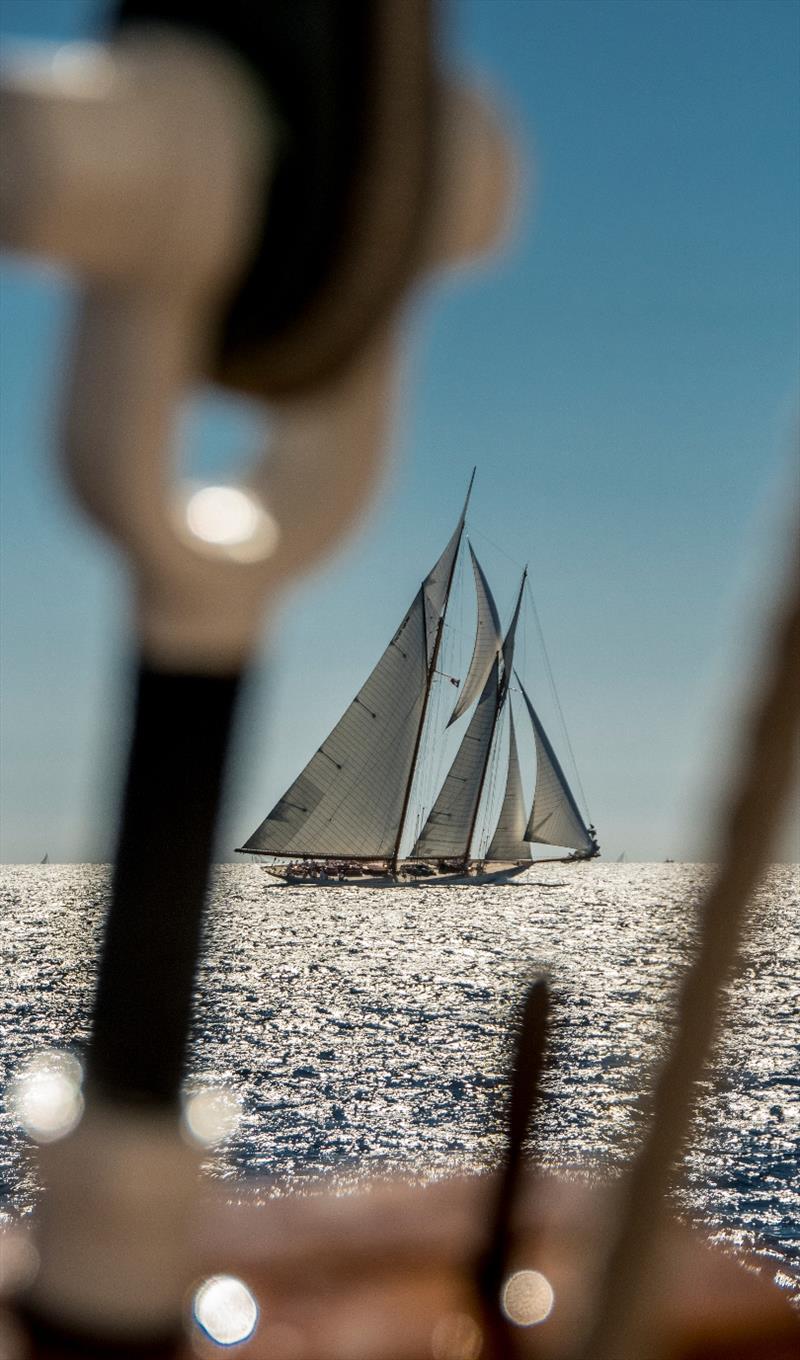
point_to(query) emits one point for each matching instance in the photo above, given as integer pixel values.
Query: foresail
(554, 819)
(488, 639)
(447, 830)
(508, 843)
(510, 637)
(347, 801)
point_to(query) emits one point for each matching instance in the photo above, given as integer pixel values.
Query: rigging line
(520, 565)
(551, 679)
(454, 631)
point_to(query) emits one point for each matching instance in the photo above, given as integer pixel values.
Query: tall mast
(502, 690)
(428, 686)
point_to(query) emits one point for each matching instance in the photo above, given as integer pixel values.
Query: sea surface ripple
(368, 1031)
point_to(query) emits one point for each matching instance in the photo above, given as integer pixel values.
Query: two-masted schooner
(346, 816)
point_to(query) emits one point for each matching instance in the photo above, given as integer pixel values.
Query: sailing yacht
(345, 818)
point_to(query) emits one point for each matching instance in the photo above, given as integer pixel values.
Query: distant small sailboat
(621, 858)
(346, 815)
(45, 859)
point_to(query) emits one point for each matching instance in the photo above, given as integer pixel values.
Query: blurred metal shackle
(144, 167)
(141, 166)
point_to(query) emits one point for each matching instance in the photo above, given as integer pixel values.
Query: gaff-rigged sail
(348, 801)
(488, 638)
(508, 843)
(554, 819)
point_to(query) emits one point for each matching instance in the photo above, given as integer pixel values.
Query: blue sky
(624, 377)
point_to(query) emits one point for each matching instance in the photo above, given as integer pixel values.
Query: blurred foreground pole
(246, 192)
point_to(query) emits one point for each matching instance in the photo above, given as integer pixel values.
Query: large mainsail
(488, 639)
(508, 843)
(349, 800)
(555, 818)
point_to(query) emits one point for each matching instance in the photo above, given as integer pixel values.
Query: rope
(619, 1328)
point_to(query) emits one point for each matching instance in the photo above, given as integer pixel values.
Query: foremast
(434, 657)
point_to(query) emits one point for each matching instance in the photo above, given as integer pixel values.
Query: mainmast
(502, 691)
(428, 686)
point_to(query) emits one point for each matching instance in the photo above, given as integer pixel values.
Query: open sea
(367, 1031)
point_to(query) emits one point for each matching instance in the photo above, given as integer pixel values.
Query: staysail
(555, 818)
(349, 800)
(446, 832)
(508, 843)
(449, 831)
(488, 639)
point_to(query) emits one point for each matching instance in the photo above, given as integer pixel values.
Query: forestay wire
(549, 670)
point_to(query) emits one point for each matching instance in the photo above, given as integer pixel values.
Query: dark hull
(502, 874)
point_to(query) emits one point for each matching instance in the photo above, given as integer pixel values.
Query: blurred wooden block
(385, 1274)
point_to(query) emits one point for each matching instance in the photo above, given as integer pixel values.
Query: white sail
(508, 843)
(488, 638)
(348, 801)
(554, 819)
(510, 637)
(446, 833)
